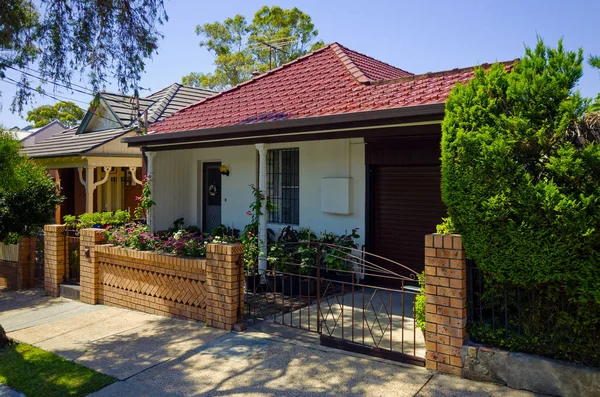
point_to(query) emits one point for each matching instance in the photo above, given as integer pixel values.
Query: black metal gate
(71, 275)
(335, 291)
(38, 267)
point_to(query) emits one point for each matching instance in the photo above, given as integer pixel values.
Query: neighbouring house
(31, 136)
(96, 171)
(338, 140)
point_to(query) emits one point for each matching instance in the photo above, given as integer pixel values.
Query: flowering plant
(132, 235)
(185, 243)
(179, 240)
(249, 237)
(144, 201)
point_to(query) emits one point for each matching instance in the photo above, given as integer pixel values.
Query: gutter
(356, 120)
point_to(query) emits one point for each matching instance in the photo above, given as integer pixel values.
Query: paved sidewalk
(156, 356)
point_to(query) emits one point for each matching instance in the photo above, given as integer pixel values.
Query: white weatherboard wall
(177, 179)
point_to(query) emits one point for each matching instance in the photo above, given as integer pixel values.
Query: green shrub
(446, 227)
(420, 304)
(520, 187)
(97, 219)
(28, 195)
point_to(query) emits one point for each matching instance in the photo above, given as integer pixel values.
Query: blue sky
(418, 36)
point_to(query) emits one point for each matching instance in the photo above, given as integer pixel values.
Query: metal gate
(335, 291)
(38, 267)
(71, 275)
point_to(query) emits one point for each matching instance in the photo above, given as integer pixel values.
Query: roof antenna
(272, 47)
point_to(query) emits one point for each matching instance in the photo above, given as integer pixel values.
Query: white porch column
(133, 170)
(89, 189)
(150, 214)
(262, 220)
(90, 185)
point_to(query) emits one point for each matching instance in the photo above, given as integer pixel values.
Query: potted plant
(308, 267)
(281, 266)
(250, 239)
(336, 254)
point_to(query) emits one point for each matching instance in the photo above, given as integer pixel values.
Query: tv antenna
(276, 45)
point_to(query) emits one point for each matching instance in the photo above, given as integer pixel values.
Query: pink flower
(248, 213)
(138, 198)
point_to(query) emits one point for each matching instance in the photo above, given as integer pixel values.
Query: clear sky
(418, 36)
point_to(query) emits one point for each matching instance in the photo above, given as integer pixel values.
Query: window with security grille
(283, 185)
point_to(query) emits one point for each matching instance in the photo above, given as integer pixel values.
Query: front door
(211, 202)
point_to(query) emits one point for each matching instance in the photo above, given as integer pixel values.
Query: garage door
(407, 205)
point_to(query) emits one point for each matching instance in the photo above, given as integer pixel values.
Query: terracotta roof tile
(331, 80)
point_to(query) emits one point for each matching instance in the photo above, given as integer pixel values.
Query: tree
(28, 195)
(103, 39)
(275, 36)
(594, 62)
(518, 185)
(522, 186)
(66, 112)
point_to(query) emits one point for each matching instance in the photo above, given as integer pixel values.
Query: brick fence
(54, 258)
(208, 290)
(446, 307)
(16, 271)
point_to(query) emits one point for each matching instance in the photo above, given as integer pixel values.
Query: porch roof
(329, 82)
(68, 143)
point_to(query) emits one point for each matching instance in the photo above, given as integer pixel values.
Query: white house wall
(177, 178)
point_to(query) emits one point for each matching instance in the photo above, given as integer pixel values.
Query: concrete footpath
(157, 356)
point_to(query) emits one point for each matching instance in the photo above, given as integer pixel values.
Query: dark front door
(211, 203)
(407, 205)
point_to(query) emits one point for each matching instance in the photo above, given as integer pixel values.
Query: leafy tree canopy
(28, 195)
(521, 184)
(595, 63)
(66, 112)
(241, 48)
(102, 39)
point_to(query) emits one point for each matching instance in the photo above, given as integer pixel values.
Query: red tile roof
(364, 68)
(331, 80)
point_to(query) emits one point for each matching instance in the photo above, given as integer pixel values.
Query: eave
(323, 127)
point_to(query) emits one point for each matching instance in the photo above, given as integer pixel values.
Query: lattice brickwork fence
(153, 283)
(200, 289)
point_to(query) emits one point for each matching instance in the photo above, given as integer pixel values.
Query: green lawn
(35, 372)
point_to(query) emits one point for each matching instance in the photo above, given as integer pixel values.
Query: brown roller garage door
(407, 205)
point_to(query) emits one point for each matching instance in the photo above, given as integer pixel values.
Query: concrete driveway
(157, 356)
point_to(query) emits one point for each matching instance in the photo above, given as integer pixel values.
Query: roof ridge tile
(345, 55)
(161, 104)
(442, 73)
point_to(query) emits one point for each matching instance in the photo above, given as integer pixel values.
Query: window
(283, 185)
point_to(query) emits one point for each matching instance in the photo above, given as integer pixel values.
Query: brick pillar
(54, 258)
(446, 310)
(88, 266)
(26, 262)
(224, 285)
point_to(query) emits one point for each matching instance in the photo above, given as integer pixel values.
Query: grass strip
(36, 372)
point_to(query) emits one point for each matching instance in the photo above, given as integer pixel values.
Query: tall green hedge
(522, 191)
(28, 196)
